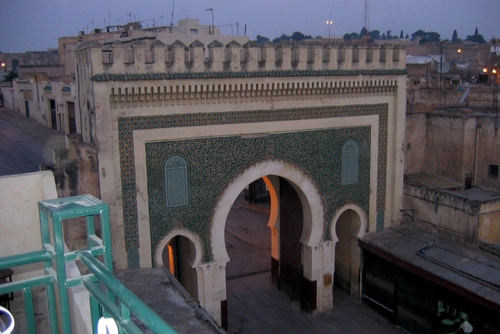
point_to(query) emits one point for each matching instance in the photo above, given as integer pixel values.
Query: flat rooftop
(433, 181)
(169, 299)
(472, 272)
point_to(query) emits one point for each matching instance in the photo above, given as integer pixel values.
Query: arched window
(176, 182)
(350, 163)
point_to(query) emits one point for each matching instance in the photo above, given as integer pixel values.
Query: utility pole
(213, 27)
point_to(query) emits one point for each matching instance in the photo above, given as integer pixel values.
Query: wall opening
(347, 253)
(263, 241)
(178, 256)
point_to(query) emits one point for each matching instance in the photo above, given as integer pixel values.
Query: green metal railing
(108, 296)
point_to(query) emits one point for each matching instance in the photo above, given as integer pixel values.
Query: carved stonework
(291, 147)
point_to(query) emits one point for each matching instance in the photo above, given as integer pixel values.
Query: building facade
(179, 135)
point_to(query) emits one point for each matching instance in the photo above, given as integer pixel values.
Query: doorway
(178, 257)
(251, 231)
(347, 253)
(53, 116)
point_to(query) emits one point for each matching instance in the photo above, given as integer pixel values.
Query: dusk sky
(35, 25)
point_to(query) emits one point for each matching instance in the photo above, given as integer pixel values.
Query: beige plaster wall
(445, 150)
(488, 229)
(445, 213)
(415, 142)
(19, 220)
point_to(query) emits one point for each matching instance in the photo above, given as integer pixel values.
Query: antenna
(172, 19)
(367, 15)
(185, 13)
(129, 17)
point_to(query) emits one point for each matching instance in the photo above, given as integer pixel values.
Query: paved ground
(256, 306)
(25, 144)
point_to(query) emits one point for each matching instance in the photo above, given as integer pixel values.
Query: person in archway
(465, 327)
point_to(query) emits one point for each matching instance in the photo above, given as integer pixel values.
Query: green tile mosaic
(126, 126)
(215, 162)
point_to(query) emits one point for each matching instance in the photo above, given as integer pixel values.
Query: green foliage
(476, 38)
(426, 36)
(282, 38)
(11, 75)
(374, 34)
(351, 36)
(401, 34)
(298, 36)
(261, 39)
(363, 32)
(454, 38)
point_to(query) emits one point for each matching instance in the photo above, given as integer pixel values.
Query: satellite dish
(443, 67)
(465, 96)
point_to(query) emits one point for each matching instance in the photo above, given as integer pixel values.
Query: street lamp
(213, 28)
(329, 22)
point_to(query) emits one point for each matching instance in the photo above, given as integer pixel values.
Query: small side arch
(349, 225)
(193, 261)
(363, 220)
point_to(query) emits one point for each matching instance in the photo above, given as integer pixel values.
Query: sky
(35, 25)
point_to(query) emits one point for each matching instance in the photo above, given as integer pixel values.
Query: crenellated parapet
(140, 58)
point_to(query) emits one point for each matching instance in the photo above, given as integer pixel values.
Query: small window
(493, 171)
(193, 31)
(350, 163)
(176, 182)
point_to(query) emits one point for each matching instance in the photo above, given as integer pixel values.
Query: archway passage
(347, 253)
(290, 269)
(178, 257)
(271, 249)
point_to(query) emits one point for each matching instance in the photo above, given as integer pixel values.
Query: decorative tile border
(241, 74)
(126, 126)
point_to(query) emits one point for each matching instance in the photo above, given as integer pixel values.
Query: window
(493, 171)
(350, 163)
(176, 183)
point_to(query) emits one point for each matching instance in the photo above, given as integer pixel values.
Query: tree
(298, 36)
(432, 36)
(454, 38)
(11, 75)
(282, 38)
(476, 38)
(374, 35)
(407, 37)
(363, 32)
(401, 34)
(261, 39)
(418, 33)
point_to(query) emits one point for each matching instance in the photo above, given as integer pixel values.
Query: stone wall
(140, 59)
(452, 214)
(452, 145)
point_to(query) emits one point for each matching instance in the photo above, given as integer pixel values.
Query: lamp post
(329, 22)
(213, 28)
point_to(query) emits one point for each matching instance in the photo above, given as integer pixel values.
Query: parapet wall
(233, 57)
